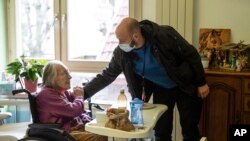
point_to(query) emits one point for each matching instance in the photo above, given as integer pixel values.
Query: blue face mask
(127, 47)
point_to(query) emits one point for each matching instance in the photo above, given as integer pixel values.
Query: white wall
(176, 13)
(149, 10)
(233, 14)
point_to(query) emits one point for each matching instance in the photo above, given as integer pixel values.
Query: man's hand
(203, 91)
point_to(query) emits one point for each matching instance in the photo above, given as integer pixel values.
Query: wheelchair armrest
(45, 125)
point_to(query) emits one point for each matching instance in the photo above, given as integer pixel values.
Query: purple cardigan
(54, 107)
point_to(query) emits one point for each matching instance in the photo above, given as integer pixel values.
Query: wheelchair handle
(14, 92)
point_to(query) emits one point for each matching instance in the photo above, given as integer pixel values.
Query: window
(79, 33)
(91, 28)
(34, 26)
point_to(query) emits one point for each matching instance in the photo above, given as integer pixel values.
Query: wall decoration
(212, 38)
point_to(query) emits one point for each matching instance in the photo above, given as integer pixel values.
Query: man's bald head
(126, 28)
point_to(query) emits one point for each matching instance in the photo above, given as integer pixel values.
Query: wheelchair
(38, 131)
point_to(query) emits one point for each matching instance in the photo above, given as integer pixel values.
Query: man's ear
(135, 36)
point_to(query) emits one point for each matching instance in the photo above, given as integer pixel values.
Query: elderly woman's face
(63, 78)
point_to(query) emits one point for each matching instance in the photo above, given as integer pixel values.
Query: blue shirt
(146, 65)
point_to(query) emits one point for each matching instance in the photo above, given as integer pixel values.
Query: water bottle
(233, 62)
(122, 100)
(136, 116)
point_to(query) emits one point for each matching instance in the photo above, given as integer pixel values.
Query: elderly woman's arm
(59, 105)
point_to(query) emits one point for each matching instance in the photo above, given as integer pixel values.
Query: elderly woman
(56, 104)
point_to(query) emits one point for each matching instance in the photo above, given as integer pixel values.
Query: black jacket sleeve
(189, 54)
(103, 79)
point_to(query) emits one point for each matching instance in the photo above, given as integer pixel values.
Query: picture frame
(212, 38)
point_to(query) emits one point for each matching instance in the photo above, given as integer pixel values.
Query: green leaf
(29, 69)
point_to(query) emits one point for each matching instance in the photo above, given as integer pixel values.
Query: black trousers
(189, 108)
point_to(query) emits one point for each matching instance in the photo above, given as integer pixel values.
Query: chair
(32, 103)
(38, 131)
(3, 116)
(8, 138)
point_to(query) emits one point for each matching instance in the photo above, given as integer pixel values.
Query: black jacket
(180, 59)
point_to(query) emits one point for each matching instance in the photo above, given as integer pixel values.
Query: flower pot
(30, 85)
(205, 63)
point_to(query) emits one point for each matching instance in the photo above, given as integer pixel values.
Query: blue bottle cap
(137, 101)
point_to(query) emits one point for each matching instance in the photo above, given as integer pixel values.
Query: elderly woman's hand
(78, 91)
(79, 127)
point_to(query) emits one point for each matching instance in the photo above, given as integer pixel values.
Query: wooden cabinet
(228, 103)
(246, 102)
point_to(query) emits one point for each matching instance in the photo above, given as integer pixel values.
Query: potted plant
(27, 70)
(204, 60)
